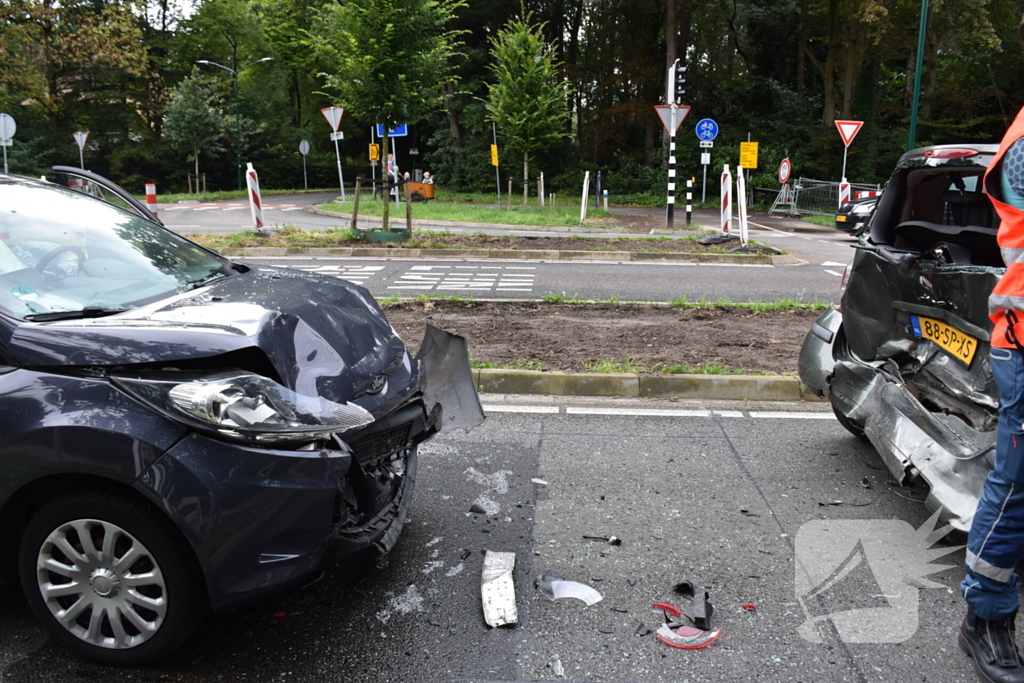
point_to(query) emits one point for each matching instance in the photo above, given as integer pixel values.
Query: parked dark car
(180, 432)
(904, 359)
(853, 215)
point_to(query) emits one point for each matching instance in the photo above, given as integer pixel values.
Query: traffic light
(680, 82)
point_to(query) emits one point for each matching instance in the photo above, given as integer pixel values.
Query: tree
(527, 99)
(192, 123)
(391, 59)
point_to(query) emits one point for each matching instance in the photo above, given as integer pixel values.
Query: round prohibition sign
(785, 169)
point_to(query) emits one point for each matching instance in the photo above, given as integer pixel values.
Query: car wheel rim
(102, 584)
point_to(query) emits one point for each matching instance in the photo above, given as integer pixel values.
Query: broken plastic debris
(642, 630)
(610, 540)
(685, 588)
(700, 612)
(686, 637)
(539, 481)
(605, 629)
(666, 608)
(497, 590)
(555, 587)
(748, 513)
(749, 606)
(475, 508)
(558, 669)
(631, 582)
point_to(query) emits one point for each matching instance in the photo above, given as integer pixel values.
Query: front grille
(376, 446)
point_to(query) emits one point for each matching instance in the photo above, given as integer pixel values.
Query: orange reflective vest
(1008, 294)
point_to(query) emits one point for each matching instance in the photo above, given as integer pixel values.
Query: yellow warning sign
(494, 155)
(748, 154)
(374, 152)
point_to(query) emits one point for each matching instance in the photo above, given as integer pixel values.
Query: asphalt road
(818, 257)
(671, 486)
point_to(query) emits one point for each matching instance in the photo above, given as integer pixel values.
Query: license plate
(840, 219)
(959, 345)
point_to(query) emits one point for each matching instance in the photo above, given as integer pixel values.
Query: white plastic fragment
(558, 668)
(497, 590)
(539, 481)
(555, 587)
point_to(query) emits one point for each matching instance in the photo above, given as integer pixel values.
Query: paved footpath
(671, 480)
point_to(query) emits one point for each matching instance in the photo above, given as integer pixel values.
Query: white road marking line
(792, 415)
(832, 272)
(538, 410)
(428, 267)
(235, 208)
(411, 287)
(509, 289)
(176, 208)
(833, 264)
(205, 208)
(521, 268)
(297, 208)
(638, 412)
(728, 413)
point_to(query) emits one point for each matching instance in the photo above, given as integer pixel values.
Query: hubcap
(101, 584)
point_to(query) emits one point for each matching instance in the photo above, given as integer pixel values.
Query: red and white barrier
(741, 203)
(255, 203)
(151, 197)
(864, 194)
(726, 199)
(844, 192)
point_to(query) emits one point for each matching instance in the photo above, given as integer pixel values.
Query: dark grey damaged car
(180, 433)
(904, 358)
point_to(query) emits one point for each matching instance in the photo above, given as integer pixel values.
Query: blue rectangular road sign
(400, 131)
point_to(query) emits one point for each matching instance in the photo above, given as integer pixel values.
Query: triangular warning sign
(333, 116)
(848, 130)
(80, 138)
(665, 114)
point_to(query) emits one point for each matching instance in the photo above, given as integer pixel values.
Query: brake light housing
(951, 153)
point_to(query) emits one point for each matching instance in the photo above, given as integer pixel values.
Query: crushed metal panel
(497, 590)
(447, 381)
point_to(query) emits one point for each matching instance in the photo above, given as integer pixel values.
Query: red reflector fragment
(956, 153)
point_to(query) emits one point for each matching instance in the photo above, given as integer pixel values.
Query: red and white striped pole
(726, 200)
(151, 197)
(255, 203)
(844, 192)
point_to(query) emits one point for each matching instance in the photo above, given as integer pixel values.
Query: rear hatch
(916, 303)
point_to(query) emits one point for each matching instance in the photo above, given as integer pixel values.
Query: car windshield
(64, 252)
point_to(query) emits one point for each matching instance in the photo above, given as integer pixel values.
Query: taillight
(955, 153)
(843, 283)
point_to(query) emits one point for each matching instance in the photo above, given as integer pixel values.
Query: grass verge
(827, 221)
(472, 213)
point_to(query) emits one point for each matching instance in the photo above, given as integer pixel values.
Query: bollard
(151, 197)
(689, 201)
(605, 195)
(355, 204)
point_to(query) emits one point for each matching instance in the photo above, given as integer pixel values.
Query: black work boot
(993, 646)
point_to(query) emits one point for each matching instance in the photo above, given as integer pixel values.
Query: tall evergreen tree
(528, 97)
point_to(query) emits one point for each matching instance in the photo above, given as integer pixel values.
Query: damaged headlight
(244, 406)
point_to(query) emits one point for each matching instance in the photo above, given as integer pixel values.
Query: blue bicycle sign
(707, 129)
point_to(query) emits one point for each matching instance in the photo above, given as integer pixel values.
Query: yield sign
(80, 138)
(848, 130)
(665, 113)
(333, 116)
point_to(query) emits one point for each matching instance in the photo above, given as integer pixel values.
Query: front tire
(109, 578)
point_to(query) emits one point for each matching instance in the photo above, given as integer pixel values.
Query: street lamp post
(917, 75)
(238, 120)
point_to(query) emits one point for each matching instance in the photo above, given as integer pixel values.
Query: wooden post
(540, 189)
(510, 195)
(408, 208)
(355, 205)
(188, 176)
(204, 183)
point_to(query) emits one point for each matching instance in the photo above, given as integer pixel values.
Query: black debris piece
(642, 630)
(477, 509)
(686, 589)
(700, 611)
(754, 576)
(610, 540)
(748, 513)
(865, 483)
(766, 552)
(434, 623)
(718, 238)
(605, 629)
(464, 554)
(620, 609)
(632, 582)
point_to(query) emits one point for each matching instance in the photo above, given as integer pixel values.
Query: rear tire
(109, 578)
(849, 425)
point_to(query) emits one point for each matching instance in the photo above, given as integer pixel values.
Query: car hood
(323, 336)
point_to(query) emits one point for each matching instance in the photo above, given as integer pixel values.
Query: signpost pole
(497, 172)
(845, 150)
(704, 186)
(670, 214)
(373, 168)
(305, 180)
(394, 153)
(81, 160)
(341, 178)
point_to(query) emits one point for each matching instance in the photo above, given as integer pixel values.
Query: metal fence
(818, 197)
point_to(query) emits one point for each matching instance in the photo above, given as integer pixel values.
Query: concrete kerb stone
(629, 385)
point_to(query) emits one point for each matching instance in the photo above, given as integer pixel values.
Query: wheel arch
(17, 510)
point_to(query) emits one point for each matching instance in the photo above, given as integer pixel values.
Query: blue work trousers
(995, 545)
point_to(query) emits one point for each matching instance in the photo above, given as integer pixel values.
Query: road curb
(425, 223)
(505, 254)
(630, 385)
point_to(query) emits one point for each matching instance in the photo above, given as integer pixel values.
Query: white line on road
(833, 264)
(793, 416)
(638, 412)
(538, 410)
(832, 272)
